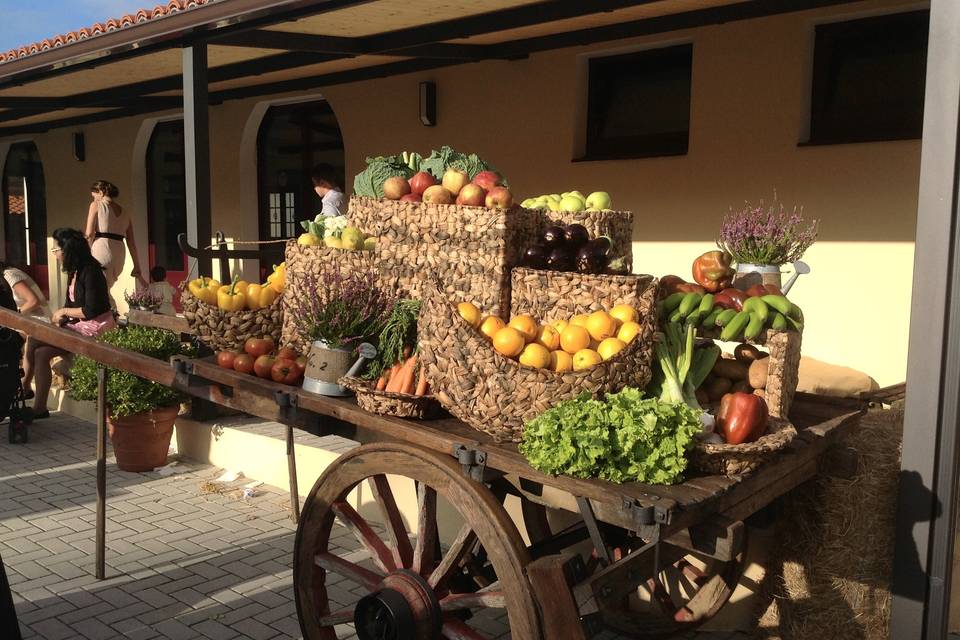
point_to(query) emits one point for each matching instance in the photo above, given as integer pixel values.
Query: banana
(706, 304)
(725, 317)
(689, 303)
(780, 303)
(711, 320)
(754, 327)
(779, 322)
(736, 326)
(671, 302)
(757, 306)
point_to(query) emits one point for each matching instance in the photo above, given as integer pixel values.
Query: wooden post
(552, 578)
(196, 142)
(101, 472)
(292, 470)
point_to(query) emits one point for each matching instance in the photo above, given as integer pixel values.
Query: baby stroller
(12, 404)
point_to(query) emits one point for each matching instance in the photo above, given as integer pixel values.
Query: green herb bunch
(400, 331)
(128, 394)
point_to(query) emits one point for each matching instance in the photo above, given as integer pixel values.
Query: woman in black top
(86, 310)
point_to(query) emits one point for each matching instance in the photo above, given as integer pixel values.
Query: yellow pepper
(201, 290)
(260, 296)
(230, 298)
(278, 278)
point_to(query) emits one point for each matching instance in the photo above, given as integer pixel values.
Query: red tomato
(225, 359)
(257, 347)
(287, 353)
(285, 371)
(262, 366)
(243, 363)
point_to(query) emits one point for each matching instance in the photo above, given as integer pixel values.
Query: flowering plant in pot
(337, 311)
(140, 413)
(763, 238)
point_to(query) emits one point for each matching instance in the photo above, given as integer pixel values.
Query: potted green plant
(335, 314)
(140, 413)
(762, 239)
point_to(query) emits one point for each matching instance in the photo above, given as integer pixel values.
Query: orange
(601, 325)
(469, 313)
(624, 313)
(574, 339)
(526, 326)
(490, 325)
(628, 332)
(535, 355)
(561, 361)
(585, 358)
(508, 342)
(579, 320)
(611, 347)
(559, 325)
(549, 337)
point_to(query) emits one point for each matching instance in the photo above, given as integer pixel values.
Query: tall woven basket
(553, 295)
(228, 330)
(497, 395)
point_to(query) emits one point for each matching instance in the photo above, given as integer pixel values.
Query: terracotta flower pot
(141, 441)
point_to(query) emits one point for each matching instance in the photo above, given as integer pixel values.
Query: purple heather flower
(757, 234)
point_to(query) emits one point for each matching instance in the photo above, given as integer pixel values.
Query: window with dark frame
(638, 104)
(868, 79)
(25, 211)
(166, 196)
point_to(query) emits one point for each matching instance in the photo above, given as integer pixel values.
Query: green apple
(571, 204)
(598, 200)
(578, 194)
(555, 196)
(528, 203)
(553, 205)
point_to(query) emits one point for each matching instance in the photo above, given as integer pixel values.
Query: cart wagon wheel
(410, 590)
(689, 590)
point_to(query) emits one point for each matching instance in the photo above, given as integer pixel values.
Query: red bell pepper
(764, 290)
(713, 270)
(730, 298)
(669, 284)
(742, 417)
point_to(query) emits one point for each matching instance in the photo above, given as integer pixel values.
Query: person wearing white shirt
(160, 288)
(327, 186)
(30, 300)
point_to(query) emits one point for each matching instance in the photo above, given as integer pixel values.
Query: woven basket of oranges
(496, 375)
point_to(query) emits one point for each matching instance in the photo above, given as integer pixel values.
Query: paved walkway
(185, 558)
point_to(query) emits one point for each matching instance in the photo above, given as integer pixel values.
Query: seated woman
(86, 310)
(26, 293)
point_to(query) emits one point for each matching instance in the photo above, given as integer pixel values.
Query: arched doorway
(167, 199)
(25, 212)
(293, 138)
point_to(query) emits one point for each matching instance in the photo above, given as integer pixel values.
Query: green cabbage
(369, 182)
(624, 438)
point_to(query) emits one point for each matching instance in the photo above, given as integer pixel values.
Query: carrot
(393, 378)
(408, 375)
(421, 384)
(381, 383)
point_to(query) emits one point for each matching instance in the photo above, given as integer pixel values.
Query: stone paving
(185, 559)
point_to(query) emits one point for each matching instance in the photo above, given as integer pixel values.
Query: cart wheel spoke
(454, 629)
(343, 616)
(356, 573)
(366, 536)
(477, 600)
(396, 530)
(426, 529)
(659, 594)
(451, 561)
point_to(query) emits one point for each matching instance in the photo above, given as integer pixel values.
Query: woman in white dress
(30, 301)
(108, 225)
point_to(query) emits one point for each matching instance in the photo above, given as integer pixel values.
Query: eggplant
(535, 257)
(553, 237)
(576, 235)
(591, 260)
(560, 260)
(602, 244)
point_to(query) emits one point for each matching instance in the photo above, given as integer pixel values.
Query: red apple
(472, 195)
(257, 347)
(412, 197)
(396, 187)
(225, 359)
(285, 371)
(243, 363)
(262, 366)
(437, 195)
(487, 179)
(500, 198)
(454, 180)
(421, 181)
(287, 352)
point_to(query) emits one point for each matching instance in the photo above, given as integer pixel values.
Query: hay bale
(832, 578)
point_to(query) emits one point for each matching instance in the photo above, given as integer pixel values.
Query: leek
(683, 367)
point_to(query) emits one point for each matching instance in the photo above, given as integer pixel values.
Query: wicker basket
(471, 250)
(400, 405)
(734, 459)
(228, 330)
(616, 225)
(497, 395)
(309, 261)
(553, 295)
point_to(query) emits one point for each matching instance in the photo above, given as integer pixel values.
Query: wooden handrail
(110, 356)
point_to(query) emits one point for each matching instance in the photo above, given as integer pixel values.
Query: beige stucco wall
(748, 112)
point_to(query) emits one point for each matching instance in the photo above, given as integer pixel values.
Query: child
(162, 289)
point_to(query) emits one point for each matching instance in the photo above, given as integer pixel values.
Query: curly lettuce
(447, 158)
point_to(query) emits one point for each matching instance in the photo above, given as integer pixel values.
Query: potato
(725, 368)
(716, 388)
(741, 386)
(757, 374)
(747, 353)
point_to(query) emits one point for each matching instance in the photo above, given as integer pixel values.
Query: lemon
(549, 338)
(526, 325)
(490, 326)
(574, 339)
(535, 355)
(601, 326)
(470, 313)
(561, 361)
(629, 331)
(624, 313)
(611, 347)
(508, 342)
(579, 320)
(585, 358)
